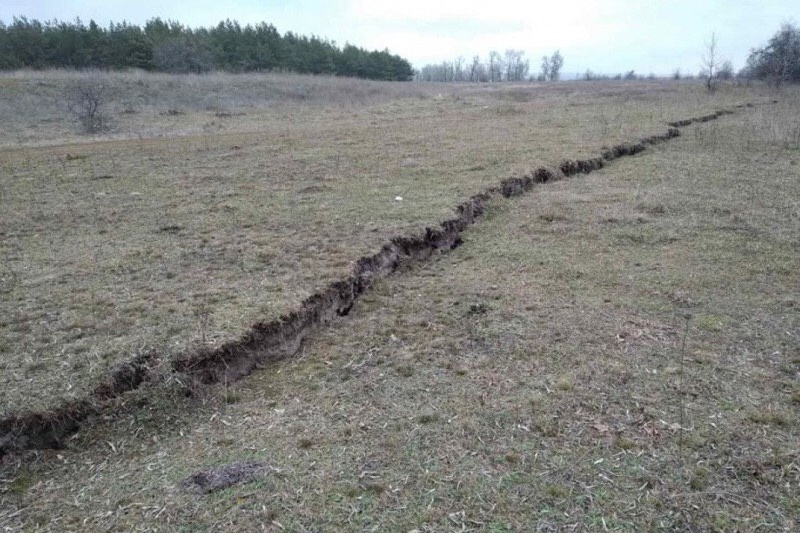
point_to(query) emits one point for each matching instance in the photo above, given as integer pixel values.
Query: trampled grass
(616, 351)
(175, 231)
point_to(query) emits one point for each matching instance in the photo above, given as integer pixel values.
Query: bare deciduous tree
(556, 62)
(516, 67)
(495, 66)
(551, 67)
(85, 102)
(725, 71)
(711, 64)
(474, 69)
(458, 69)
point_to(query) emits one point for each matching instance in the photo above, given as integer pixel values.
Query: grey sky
(607, 36)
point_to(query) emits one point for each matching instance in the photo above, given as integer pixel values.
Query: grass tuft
(428, 417)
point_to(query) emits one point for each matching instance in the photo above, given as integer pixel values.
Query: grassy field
(617, 351)
(217, 201)
(611, 352)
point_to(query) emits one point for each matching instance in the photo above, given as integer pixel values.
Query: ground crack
(270, 341)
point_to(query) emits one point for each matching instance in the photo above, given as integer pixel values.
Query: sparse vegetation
(526, 380)
(180, 215)
(86, 101)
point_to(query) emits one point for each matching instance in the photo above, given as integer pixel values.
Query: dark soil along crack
(270, 341)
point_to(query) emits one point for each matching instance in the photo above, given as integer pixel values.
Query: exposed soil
(48, 429)
(214, 479)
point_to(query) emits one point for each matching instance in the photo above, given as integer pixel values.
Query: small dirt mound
(222, 477)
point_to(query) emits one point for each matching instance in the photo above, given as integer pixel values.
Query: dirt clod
(221, 477)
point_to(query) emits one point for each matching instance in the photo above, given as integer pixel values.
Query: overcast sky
(606, 36)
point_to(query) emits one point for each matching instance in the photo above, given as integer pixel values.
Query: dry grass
(143, 104)
(532, 379)
(179, 230)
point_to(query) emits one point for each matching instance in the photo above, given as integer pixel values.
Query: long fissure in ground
(282, 337)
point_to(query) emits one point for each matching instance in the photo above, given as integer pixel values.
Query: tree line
(169, 46)
(778, 61)
(512, 66)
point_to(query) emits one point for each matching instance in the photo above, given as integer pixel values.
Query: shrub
(86, 101)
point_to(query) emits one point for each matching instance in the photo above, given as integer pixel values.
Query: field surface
(611, 352)
(215, 202)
